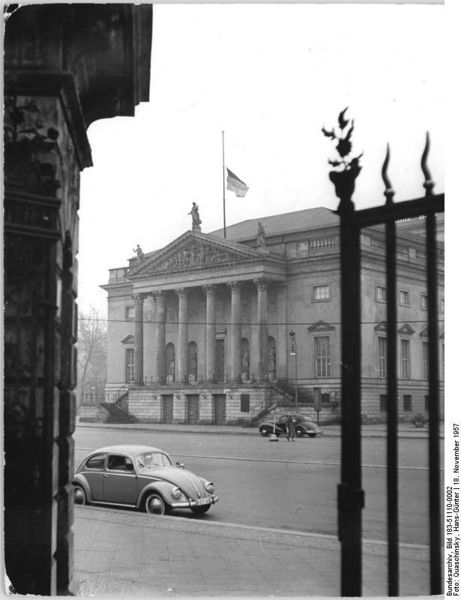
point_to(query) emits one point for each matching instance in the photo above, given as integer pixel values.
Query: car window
(95, 462)
(118, 462)
(151, 460)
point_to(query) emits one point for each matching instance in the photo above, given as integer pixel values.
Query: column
(210, 333)
(181, 351)
(282, 333)
(261, 320)
(159, 337)
(138, 339)
(235, 331)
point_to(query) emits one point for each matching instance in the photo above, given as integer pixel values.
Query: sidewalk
(123, 553)
(405, 430)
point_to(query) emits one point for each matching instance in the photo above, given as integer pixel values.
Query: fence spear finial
(388, 191)
(428, 183)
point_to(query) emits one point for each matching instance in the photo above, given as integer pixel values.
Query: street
(283, 485)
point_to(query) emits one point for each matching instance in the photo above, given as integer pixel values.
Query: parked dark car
(302, 426)
(141, 477)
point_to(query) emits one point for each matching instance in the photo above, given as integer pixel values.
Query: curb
(234, 531)
(238, 430)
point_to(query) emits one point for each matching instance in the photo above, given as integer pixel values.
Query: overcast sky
(270, 76)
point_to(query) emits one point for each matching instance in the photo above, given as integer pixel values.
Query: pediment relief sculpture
(196, 254)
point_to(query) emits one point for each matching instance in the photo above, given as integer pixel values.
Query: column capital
(261, 284)
(181, 292)
(139, 298)
(234, 286)
(210, 289)
(157, 295)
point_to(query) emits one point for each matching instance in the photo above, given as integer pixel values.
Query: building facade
(220, 330)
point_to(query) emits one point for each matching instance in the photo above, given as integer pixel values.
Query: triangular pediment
(196, 251)
(406, 329)
(320, 326)
(129, 339)
(381, 326)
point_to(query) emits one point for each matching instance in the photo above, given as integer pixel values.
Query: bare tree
(92, 355)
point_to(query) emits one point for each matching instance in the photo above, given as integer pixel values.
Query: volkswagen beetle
(302, 426)
(141, 477)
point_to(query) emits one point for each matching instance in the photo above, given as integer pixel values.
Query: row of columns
(210, 333)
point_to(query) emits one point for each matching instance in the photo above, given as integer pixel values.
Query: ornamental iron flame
(346, 168)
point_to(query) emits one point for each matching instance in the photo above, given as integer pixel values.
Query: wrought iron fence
(351, 495)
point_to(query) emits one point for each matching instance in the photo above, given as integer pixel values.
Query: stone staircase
(117, 412)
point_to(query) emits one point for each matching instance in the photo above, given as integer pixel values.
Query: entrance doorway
(192, 409)
(219, 409)
(167, 408)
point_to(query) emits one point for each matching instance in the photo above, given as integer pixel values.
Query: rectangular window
(425, 360)
(129, 313)
(407, 403)
(382, 356)
(322, 357)
(244, 402)
(426, 403)
(404, 298)
(381, 293)
(325, 398)
(383, 402)
(405, 359)
(423, 302)
(442, 305)
(321, 292)
(129, 365)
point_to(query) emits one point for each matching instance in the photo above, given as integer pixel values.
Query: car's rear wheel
(264, 431)
(154, 504)
(79, 495)
(311, 433)
(201, 510)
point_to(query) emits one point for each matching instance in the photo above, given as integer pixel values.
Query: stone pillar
(138, 339)
(182, 336)
(51, 96)
(210, 333)
(261, 321)
(235, 331)
(282, 334)
(159, 337)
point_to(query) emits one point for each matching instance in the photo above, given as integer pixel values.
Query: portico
(191, 368)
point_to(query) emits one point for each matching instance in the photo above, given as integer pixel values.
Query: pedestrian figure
(291, 430)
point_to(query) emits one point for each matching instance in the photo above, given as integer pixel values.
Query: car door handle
(106, 475)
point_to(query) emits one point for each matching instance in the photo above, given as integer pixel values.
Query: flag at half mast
(236, 185)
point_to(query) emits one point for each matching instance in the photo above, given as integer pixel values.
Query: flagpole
(223, 186)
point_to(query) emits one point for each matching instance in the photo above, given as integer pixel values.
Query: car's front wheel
(265, 431)
(201, 510)
(79, 495)
(154, 504)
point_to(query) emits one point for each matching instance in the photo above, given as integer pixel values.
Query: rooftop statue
(139, 253)
(261, 237)
(196, 221)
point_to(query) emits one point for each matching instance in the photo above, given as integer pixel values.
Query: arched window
(245, 359)
(192, 361)
(271, 358)
(170, 363)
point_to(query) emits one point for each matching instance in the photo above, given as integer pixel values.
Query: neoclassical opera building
(214, 329)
